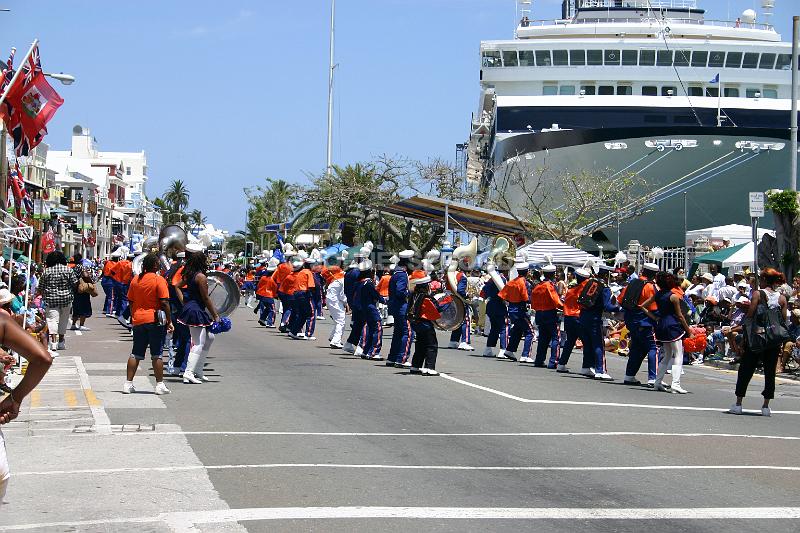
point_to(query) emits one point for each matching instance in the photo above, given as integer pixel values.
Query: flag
(278, 252)
(715, 79)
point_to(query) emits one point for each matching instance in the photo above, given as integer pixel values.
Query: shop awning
(462, 216)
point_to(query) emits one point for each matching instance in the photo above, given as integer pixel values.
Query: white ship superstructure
(614, 81)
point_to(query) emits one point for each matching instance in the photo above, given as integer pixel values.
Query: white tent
(736, 233)
(563, 254)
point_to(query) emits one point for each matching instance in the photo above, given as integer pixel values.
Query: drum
(452, 310)
(223, 292)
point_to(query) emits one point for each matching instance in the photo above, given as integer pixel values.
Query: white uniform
(5, 473)
(336, 301)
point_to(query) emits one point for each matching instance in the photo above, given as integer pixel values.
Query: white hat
(652, 267)
(549, 268)
(583, 272)
(521, 266)
(311, 261)
(271, 266)
(297, 262)
(392, 267)
(5, 296)
(289, 253)
(406, 254)
(194, 247)
(708, 277)
(365, 265)
(743, 284)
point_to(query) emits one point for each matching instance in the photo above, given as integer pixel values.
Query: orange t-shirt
(310, 278)
(266, 287)
(301, 280)
(108, 269)
(289, 283)
(515, 291)
(544, 297)
(571, 307)
(145, 295)
(249, 276)
(383, 285)
(176, 277)
(123, 272)
(280, 273)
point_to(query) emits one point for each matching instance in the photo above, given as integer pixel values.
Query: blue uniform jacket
(350, 281)
(366, 299)
(595, 313)
(398, 293)
(495, 306)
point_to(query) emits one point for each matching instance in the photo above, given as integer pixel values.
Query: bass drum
(452, 309)
(223, 292)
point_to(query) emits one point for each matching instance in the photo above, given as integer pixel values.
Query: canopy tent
(735, 258)
(735, 233)
(469, 218)
(563, 253)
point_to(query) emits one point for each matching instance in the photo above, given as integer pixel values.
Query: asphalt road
(294, 436)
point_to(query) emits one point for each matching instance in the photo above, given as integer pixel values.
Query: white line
(597, 404)
(102, 423)
(79, 333)
(177, 468)
(184, 521)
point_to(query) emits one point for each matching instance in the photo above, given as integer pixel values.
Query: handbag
(84, 287)
(766, 329)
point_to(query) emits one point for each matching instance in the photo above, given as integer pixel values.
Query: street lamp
(65, 79)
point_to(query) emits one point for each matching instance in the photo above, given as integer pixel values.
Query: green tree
(177, 197)
(196, 218)
(271, 203)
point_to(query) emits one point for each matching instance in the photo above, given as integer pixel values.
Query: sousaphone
(452, 306)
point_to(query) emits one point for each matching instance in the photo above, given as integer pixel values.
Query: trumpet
(503, 251)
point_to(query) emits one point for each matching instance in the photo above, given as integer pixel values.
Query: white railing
(641, 4)
(651, 20)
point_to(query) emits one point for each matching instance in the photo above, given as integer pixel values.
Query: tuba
(452, 306)
(171, 240)
(503, 252)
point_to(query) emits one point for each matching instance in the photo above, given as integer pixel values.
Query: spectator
(82, 306)
(57, 288)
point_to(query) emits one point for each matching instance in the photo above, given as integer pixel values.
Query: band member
(354, 340)
(403, 335)
(517, 295)
(266, 292)
(572, 328)
(318, 294)
(546, 302)
(107, 282)
(367, 297)
(424, 312)
(249, 286)
(497, 313)
(289, 288)
(640, 327)
(283, 270)
(461, 337)
(301, 301)
(337, 305)
(594, 298)
(309, 311)
(123, 274)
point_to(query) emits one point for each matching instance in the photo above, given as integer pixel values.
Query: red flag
(35, 103)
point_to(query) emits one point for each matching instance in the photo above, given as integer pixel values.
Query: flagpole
(18, 71)
(329, 154)
(719, 102)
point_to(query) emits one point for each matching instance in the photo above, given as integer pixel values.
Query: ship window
(649, 90)
(550, 90)
(630, 57)
(588, 89)
(526, 58)
(695, 91)
(767, 61)
(543, 58)
(683, 119)
(770, 93)
(784, 62)
(658, 119)
(577, 57)
(566, 89)
(647, 58)
(594, 57)
(699, 58)
(560, 58)
(510, 58)
(625, 90)
(664, 58)
(716, 59)
(750, 60)
(491, 58)
(751, 93)
(734, 60)
(712, 91)
(611, 57)
(605, 90)
(731, 92)
(665, 90)
(682, 58)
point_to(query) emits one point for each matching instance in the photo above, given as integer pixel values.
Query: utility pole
(329, 158)
(793, 144)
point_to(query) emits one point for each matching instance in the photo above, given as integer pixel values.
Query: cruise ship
(690, 104)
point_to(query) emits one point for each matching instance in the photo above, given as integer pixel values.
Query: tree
(785, 210)
(196, 218)
(569, 205)
(272, 203)
(177, 197)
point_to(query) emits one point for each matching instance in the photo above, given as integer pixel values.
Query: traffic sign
(756, 204)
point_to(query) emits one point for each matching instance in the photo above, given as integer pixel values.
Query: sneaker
(432, 372)
(603, 377)
(453, 344)
(128, 388)
(271, 326)
(765, 411)
(413, 370)
(320, 318)
(84, 328)
(349, 348)
(295, 336)
(52, 346)
(376, 357)
(262, 323)
(562, 369)
(466, 347)
(677, 389)
(312, 338)
(61, 345)
(501, 355)
(161, 388)
(336, 345)
(424, 371)
(488, 352)
(659, 386)
(735, 409)
(188, 377)
(510, 355)
(588, 372)
(391, 363)
(203, 378)
(359, 351)
(651, 383)
(631, 381)
(74, 327)
(53, 353)
(407, 364)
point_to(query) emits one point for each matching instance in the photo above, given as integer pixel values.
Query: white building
(108, 188)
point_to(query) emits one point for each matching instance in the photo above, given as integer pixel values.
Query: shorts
(58, 318)
(151, 335)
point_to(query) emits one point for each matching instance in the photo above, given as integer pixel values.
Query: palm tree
(177, 196)
(196, 218)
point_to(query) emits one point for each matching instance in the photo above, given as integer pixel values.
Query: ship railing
(641, 4)
(639, 21)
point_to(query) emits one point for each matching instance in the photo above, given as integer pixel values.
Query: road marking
(91, 399)
(70, 398)
(36, 399)
(178, 468)
(598, 404)
(185, 521)
(102, 423)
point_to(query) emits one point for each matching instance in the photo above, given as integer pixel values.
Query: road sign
(756, 204)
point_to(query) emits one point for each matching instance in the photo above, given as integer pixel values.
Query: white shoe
(466, 347)
(320, 318)
(735, 409)
(589, 372)
(349, 348)
(407, 364)
(128, 388)
(765, 411)
(562, 369)
(603, 377)
(84, 328)
(376, 358)
(53, 353)
(53, 346)
(161, 388)
(488, 352)
(424, 371)
(188, 377)
(525, 360)
(359, 351)
(501, 355)
(452, 344)
(432, 372)
(61, 345)
(677, 389)
(336, 345)
(203, 378)
(310, 338)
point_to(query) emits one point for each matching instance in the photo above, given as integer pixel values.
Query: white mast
(329, 158)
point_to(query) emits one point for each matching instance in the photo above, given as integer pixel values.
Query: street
(294, 436)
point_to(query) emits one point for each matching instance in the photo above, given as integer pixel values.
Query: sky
(225, 94)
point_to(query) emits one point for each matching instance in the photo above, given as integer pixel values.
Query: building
(104, 201)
